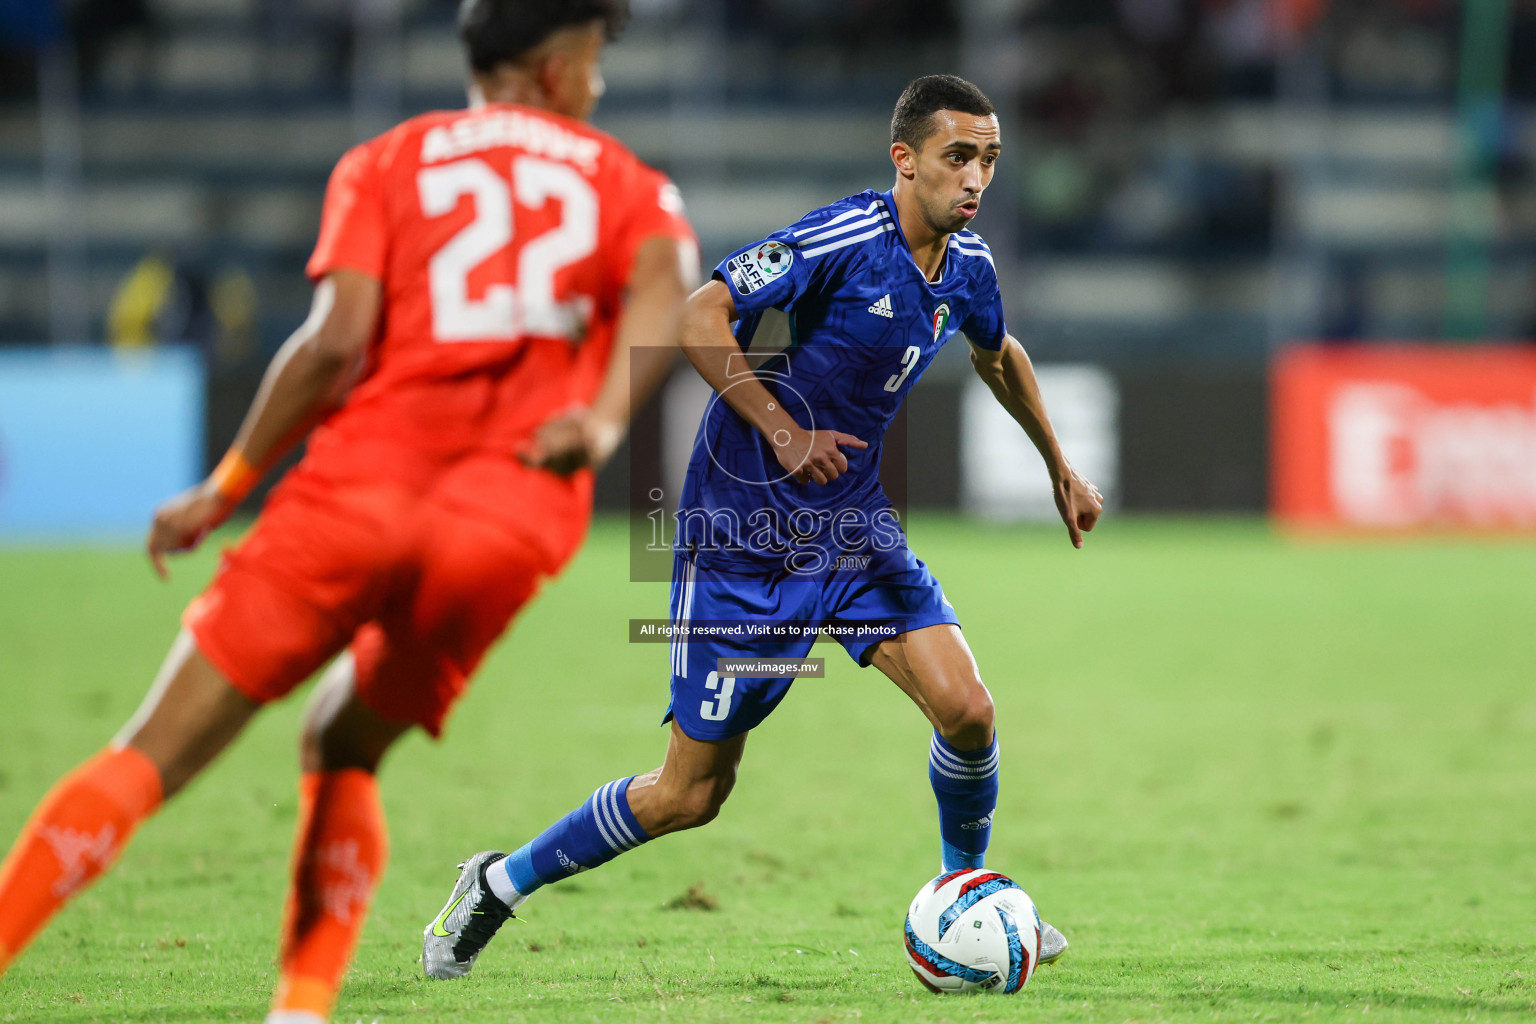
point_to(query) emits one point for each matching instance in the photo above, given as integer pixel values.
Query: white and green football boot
(450, 944)
(1052, 944)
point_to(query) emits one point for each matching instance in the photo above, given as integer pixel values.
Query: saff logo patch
(757, 268)
(940, 320)
(773, 258)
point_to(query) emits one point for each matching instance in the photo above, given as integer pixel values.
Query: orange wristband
(234, 476)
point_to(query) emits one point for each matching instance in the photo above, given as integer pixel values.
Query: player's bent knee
(967, 724)
(337, 742)
(322, 747)
(695, 805)
(694, 811)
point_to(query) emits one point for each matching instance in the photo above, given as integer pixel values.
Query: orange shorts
(418, 582)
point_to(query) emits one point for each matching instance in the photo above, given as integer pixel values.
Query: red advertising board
(1404, 436)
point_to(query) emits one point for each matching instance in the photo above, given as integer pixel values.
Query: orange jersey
(503, 236)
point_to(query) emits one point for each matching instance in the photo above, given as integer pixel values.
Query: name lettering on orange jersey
(487, 130)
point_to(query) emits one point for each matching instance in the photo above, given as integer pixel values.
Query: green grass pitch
(1251, 778)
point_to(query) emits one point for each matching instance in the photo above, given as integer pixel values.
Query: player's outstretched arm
(309, 374)
(1011, 376)
(810, 455)
(644, 349)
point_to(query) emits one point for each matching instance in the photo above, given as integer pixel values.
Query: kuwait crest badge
(940, 320)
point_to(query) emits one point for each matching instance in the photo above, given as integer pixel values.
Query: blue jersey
(838, 323)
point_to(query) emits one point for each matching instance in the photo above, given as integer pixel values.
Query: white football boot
(450, 944)
(1052, 945)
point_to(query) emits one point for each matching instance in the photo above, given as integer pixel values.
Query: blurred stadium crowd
(1188, 185)
(1163, 154)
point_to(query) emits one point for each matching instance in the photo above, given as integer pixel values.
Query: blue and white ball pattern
(973, 929)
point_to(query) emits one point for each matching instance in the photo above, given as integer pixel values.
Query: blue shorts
(779, 615)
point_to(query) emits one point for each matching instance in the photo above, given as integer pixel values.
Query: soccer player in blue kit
(783, 526)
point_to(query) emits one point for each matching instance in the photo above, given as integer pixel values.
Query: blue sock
(965, 784)
(593, 834)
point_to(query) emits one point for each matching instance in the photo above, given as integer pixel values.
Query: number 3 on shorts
(716, 710)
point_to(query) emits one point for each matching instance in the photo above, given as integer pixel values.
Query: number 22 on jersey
(527, 305)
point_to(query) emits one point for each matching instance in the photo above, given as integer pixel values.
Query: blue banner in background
(92, 440)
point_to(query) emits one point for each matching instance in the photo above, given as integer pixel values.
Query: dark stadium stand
(1158, 190)
(1182, 191)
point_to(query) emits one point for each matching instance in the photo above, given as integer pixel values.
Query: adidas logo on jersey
(883, 307)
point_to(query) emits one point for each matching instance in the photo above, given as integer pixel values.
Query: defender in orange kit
(492, 287)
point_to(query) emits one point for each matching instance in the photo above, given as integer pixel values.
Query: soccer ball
(973, 929)
(773, 258)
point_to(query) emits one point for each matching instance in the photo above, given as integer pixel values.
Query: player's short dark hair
(501, 31)
(912, 122)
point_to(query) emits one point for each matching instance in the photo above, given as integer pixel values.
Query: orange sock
(338, 856)
(74, 835)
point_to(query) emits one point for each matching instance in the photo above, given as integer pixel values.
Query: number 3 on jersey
(526, 306)
(909, 359)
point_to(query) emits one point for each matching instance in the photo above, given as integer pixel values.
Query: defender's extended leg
(190, 714)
